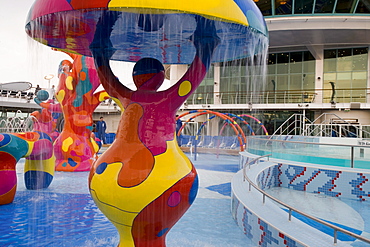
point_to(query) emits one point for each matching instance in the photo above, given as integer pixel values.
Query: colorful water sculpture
(144, 183)
(36, 147)
(40, 163)
(75, 149)
(47, 118)
(146, 28)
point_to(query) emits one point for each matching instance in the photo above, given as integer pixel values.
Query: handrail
(283, 96)
(312, 143)
(255, 159)
(335, 228)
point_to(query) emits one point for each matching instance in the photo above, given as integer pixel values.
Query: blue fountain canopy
(163, 34)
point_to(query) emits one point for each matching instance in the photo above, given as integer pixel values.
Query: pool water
(65, 215)
(304, 155)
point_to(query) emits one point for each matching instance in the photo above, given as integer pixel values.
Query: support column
(368, 78)
(216, 87)
(318, 52)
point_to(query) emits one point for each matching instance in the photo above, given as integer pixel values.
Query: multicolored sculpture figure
(47, 118)
(12, 148)
(40, 163)
(36, 147)
(150, 156)
(144, 183)
(75, 149)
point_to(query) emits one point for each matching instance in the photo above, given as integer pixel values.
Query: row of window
(309, 7)
(345, 70)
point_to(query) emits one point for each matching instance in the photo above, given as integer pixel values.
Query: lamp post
(49, 77)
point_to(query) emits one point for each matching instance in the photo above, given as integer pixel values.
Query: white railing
(291, 209)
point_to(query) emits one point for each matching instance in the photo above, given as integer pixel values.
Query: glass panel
(330, 54)
(309, 82)
(296, 62)
(210, 73)
(264, 6)
(363, 7)
(358, 95)
(281, 88)
(330, 65)
(282, 63)
(282, 68)
(224, 72)
(359, 80)
(270, 83)
(283, 7)
(271, 64)
(235, 84)
(358, 51)
(309, 66)
(344, 52)
(344, 80)
(244, 70)
(271, 59)
(324, 6)
(223, 84)
(328, 93)
(360, 62)
(344, 60)
(282, 82)
(307, 56)
(296, 82)
(295, 67)
(345, 6)
(359, 76)
(245, 82)
(303, 6)
(330, 77)
(343, 86)
(205, 89)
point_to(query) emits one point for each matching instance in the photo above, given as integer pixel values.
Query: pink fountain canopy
(160, 29)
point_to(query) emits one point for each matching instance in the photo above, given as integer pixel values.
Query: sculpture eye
(101, 168)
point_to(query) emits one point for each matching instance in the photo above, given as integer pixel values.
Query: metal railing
(327, 124)
(269, 140)
(345, 95)
(291, 209)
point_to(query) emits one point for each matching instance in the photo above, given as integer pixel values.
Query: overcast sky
(23, 59)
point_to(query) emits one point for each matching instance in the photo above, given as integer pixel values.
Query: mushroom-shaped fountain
(144, 183)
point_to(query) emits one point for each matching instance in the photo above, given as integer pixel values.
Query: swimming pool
(315, 150)
(338, 196)
(65, 215)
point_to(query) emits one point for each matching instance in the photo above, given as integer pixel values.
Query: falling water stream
(64, 214)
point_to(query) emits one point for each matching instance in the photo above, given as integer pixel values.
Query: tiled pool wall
(331, 182)
(258, 230)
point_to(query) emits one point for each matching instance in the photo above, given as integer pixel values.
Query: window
(324, 6)
(346, 71)
(303, 6)
(283, 7)
(204, 92)
(264, 6)
(363, 7)
(291, 71)
(345, 6)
